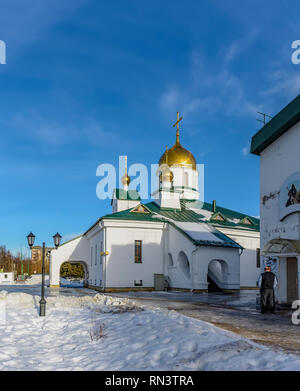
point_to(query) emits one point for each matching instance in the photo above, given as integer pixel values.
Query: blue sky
(87, 81)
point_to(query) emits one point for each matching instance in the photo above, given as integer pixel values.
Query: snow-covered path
(134, 338)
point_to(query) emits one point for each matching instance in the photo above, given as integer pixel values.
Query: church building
(175, 240)
(277, 144)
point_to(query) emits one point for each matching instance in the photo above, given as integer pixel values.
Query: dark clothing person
(267, 282)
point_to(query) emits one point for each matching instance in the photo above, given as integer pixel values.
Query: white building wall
(121, 269)
(119, 205)
(277, 162)
(76, 250)
(96, 242)
(250, 241)
(176, 243)
(7, 278)
(230, 263)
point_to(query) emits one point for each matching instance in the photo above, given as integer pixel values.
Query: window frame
(138, 255)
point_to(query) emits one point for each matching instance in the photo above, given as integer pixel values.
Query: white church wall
(282, 158)
(121, 269)
(250, 241)
(119, 205)
(95, 238)
(74, 250)
(177, 242)
(230, 260)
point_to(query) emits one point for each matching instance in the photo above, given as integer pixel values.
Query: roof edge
(276, 127)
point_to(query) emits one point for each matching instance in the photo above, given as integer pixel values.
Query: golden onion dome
(125, 179)
(179, 156)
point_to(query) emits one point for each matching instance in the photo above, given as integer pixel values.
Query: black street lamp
(30, 239)
(56, 239)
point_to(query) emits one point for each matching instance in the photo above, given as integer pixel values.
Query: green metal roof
(184, 214)
(275, 128)
(131, 195)
(187, 215)
(227, 213)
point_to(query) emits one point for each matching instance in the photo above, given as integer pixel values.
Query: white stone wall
(250, 240)
(119, 205)
(177, 243)
(277, 162)
(96, 243)
(7, 277)
(121, 269)
(76, 250)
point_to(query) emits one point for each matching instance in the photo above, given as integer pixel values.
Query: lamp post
(56, 239)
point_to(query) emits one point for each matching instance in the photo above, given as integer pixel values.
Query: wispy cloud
(209, 90)
(31, 19)
(284, 83)
(54, 133)
(239, 46)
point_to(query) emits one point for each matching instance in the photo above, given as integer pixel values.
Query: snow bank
(18, 299)
(132, 338)
(36, 279)
(97, 302)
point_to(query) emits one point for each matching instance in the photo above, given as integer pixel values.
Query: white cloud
(209, 91)
(169, 100)
(284, 83)
(31, 19)
(245, 151)
(54, 133)
(239, 46)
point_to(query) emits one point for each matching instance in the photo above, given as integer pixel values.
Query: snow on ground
(35, 279)
(98, 332)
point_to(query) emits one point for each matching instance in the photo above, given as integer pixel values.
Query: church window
(91, 256)
(96, 254)
(138, 251)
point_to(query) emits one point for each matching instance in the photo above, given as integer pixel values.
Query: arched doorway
(184, 265)
(73, 274)
(217, 275)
